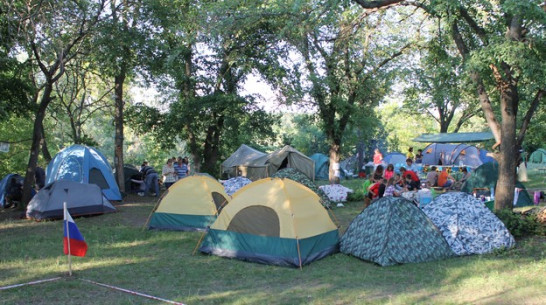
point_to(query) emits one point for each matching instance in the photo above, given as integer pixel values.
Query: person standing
(419, 156)
(169, 174)
(150, 177)
(410, 155)
(377, 158)
(181, 167)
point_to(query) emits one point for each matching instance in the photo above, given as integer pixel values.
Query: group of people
(386, 182)
(173, 170)
(415, 158)
(444, 179)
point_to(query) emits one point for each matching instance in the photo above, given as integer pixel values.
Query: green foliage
(519, 225)
(356, 195)
(18, 132)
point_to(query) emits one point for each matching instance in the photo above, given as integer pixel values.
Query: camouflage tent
(468, 226)
(394, 231)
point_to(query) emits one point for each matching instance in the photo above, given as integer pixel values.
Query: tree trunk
(118, 122)
(35, 147)
(45, 150)
(334, 163)
(509, 154)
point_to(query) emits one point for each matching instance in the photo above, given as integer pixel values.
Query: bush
(357, 195)
(518, 224)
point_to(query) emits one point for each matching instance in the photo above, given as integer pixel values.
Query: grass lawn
(160, 263)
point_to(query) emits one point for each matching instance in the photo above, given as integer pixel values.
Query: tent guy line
(29, 283)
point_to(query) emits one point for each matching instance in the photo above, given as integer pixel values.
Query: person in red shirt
(414, 178)
(377, 157)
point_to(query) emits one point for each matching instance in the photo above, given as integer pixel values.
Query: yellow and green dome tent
(273, 221)
(191, 204)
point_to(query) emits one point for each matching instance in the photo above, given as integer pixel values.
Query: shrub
(518, 224)
(357, 195)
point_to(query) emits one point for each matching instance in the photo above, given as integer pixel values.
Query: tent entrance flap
(258, 220)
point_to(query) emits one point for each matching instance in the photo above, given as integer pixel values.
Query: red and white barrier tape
(30, 283)
(133, 292)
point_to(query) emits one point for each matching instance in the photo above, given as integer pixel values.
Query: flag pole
(67, 239)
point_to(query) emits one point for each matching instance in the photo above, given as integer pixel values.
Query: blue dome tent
(85, 165)
(322, 165)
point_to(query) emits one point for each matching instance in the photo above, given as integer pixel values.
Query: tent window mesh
(96, 177)
(219, 200)
(257, 220)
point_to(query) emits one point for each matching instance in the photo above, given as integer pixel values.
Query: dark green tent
(538, 157)
(394, 231)
(486, 175)
(322, 166)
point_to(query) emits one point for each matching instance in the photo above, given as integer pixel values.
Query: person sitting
(414, 178)
(389, 172)
(411, 185)
(378, 173)
(150, 177)
(432, 177)
(445, 180)
(465, 175)
(410, 166)
(399, 182)
(390, 189)
(377, 189)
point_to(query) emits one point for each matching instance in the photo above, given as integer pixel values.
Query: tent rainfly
(267, 165)
(191, 204)
(394, 231)
(273, 221)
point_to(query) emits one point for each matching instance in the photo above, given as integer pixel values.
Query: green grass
(161, 263)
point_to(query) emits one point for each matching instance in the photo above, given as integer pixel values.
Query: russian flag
(73, 242)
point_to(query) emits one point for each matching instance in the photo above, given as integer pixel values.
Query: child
(390, 190)
(389, 172)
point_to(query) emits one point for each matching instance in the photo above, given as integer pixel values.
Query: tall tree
(215, 50)
(120, 41)
(347, 57)
(503, 48)
(52, 34)
(439, 87)
(81, 94)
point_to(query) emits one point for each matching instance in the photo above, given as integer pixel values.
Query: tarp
(286, 157)
(394, 231)
(81, 199)
(190, 204)
(452, 154)
(241, 157)
(322, 166)
(468, 226)
(85, 165)
(459, 137)
(273, 221)
(486, 176)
